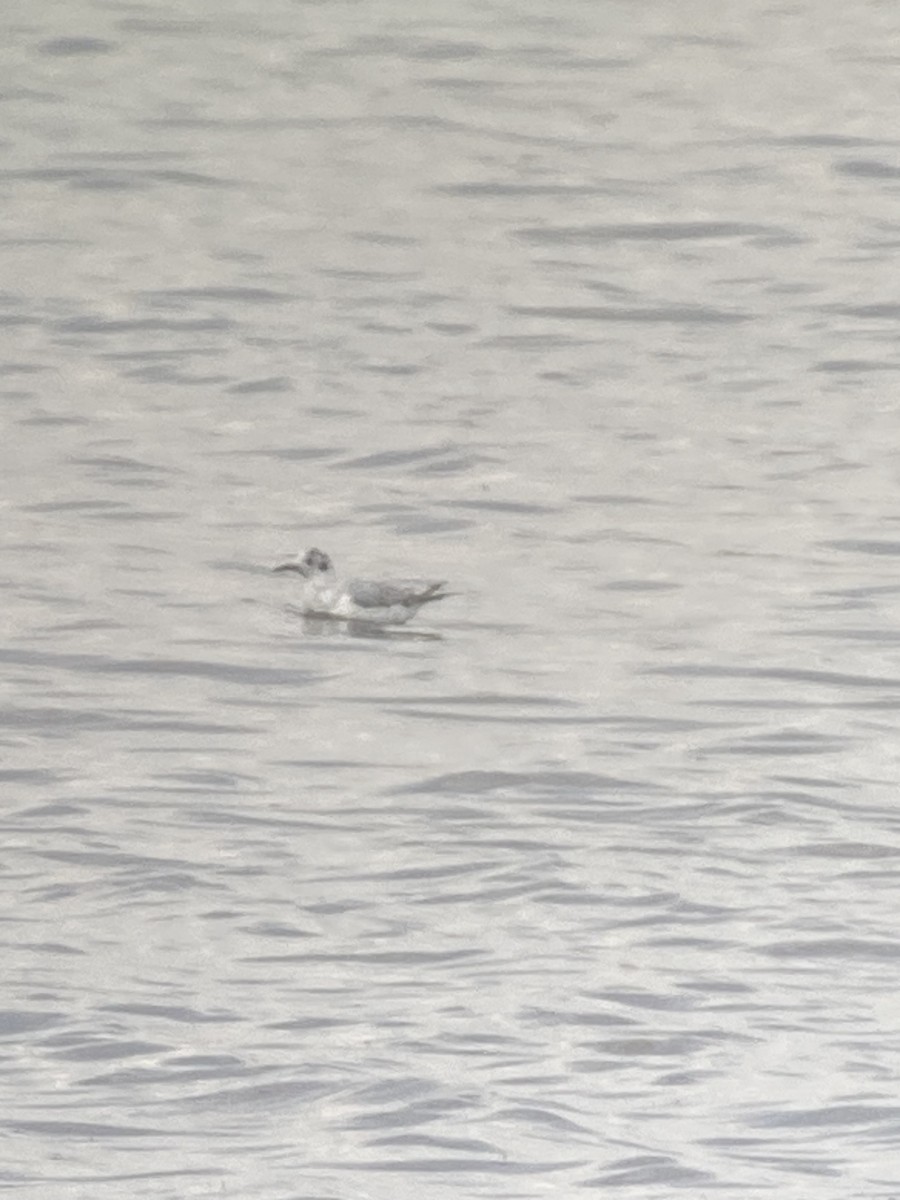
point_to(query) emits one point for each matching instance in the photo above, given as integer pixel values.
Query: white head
(311, 564)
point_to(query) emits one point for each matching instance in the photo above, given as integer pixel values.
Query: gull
(378, 602)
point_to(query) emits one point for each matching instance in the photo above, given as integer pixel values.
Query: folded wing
(384, 594)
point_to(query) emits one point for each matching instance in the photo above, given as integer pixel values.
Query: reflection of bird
(381, 602)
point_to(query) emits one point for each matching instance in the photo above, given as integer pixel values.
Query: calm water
(588, 880)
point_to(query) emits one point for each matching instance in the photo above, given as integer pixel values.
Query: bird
(377, 602)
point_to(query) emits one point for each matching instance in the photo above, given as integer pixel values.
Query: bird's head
(312, 562)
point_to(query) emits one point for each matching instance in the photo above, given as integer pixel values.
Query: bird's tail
(432, 592)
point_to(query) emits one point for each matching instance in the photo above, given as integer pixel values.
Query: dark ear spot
(317, 560)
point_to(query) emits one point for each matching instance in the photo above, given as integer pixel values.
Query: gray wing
(371, 593)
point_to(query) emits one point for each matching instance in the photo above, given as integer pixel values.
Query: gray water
(588, 878)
